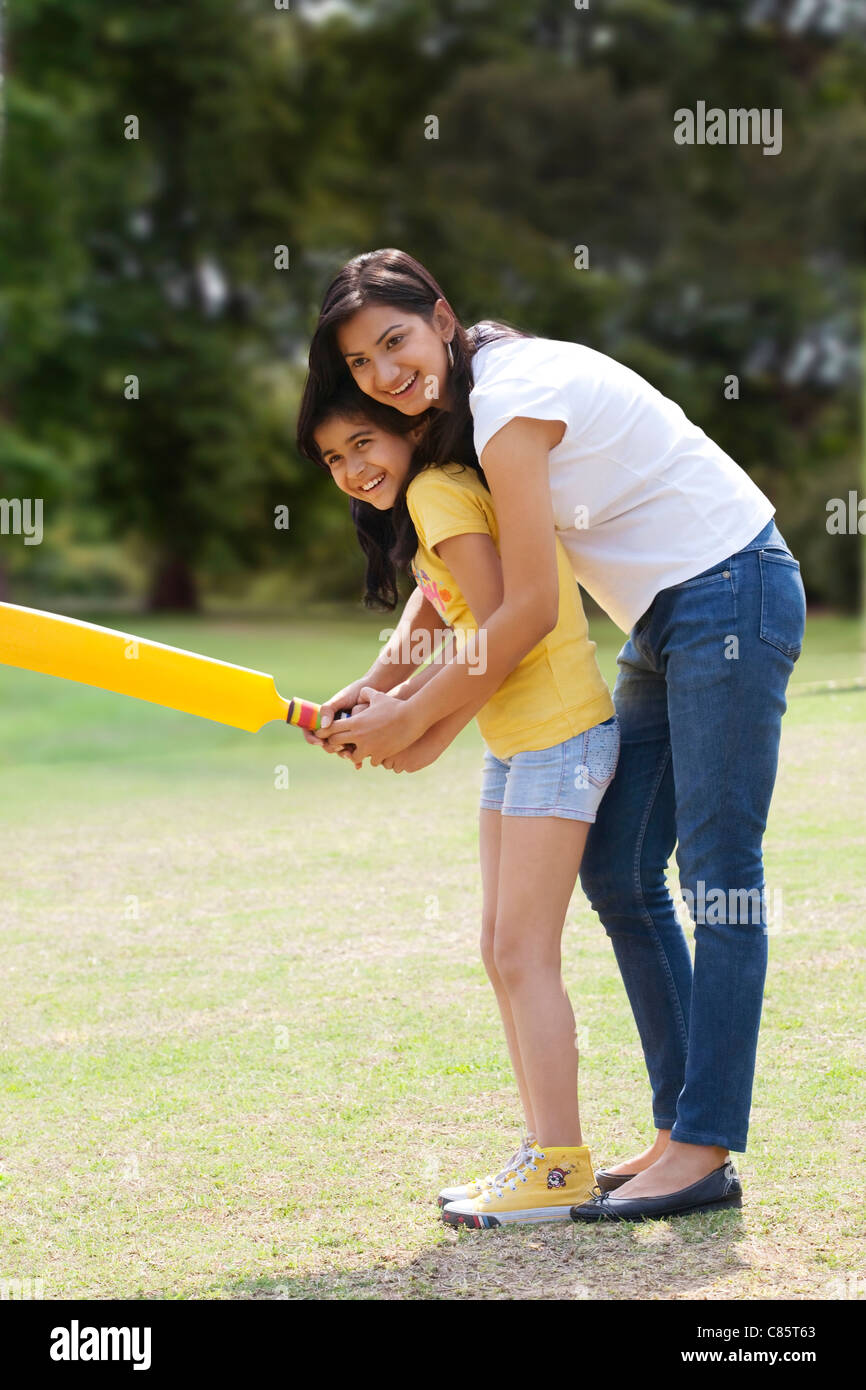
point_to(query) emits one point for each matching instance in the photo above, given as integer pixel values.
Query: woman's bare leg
(646, 1156)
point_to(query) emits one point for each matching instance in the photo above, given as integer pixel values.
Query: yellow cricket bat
(147, 670)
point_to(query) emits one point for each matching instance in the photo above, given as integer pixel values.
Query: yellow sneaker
(467, 1191)
(544, 1188)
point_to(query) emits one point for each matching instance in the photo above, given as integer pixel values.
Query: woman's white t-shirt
(642, 498)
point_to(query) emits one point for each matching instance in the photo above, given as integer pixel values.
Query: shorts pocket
(602, 752)
(783, 602)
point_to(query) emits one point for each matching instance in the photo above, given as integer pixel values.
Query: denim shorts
(567, 780)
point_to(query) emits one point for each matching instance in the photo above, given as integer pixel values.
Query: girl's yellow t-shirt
(557, 690)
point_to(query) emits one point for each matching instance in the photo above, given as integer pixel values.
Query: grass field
(246, 1033)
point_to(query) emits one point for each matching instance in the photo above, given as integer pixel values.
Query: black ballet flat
(609, 1182)
(717, 1191)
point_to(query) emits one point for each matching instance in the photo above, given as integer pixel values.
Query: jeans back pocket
(783, 602)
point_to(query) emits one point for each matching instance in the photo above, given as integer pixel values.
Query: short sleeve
(441, 507)
(532, 378)
(504, 399)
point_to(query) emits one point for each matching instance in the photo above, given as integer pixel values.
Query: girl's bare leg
(539, 857)
(489, 827)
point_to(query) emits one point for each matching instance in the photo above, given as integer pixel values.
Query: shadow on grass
(694, 1257)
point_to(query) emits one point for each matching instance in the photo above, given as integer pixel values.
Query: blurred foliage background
(304, 127)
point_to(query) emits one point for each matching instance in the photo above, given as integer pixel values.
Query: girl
(678, 545)
(552, 745)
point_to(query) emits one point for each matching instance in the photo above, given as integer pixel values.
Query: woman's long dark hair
(394, 278)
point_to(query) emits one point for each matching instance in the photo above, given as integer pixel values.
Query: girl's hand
(424, 751)
(386, 726)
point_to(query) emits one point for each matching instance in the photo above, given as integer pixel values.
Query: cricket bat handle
(306, 715)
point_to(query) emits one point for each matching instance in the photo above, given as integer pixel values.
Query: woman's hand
(385, 727)
(346, 699)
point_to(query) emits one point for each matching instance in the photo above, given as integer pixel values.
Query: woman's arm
(516, 466)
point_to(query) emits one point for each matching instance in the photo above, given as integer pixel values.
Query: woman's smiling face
(397, 357)
(365, 461)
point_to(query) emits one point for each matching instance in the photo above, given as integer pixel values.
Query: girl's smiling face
(395, 356)
(365, 461)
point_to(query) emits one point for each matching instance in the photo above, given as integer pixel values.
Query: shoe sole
(483, 1220)
(446, 1201)
(701, 1208)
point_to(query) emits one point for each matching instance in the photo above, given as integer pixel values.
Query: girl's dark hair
(382, 535)
(390, 277)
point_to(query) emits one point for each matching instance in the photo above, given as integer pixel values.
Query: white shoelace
(498, 1186)
(513, 1165)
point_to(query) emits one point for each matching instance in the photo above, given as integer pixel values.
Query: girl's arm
(476, 569)
(515, 463)
(388, 670)
(423, 673)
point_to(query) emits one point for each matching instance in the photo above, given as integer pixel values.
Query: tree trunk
(173, 588)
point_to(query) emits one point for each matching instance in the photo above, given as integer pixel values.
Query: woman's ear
(444, 320)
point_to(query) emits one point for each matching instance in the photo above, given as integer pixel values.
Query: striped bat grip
(304, 714)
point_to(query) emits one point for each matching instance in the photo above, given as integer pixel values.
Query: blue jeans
(700, 697)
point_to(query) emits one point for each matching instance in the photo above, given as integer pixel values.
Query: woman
(678, 545)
